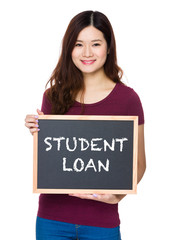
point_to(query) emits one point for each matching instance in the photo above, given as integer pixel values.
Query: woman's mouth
(88, 62)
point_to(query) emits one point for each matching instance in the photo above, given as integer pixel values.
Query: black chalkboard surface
(89, 154)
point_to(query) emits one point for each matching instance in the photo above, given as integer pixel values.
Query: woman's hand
(106, 198)
(31, 122)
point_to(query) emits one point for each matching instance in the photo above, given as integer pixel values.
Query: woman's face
(90, 52)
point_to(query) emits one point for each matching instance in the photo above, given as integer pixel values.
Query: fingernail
(37, 121)
(38, 129)
(36, 125)
(95, 195)
(36, 116)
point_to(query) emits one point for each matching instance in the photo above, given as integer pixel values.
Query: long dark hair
(67, 80)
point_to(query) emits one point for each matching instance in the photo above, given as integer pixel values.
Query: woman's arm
(115, 198)
(141, 153)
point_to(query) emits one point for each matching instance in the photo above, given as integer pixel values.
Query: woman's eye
(78, 45)
(96, 44)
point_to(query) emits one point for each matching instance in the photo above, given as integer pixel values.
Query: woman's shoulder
(124, 89)
(46, 104)
(132, 101)
(127, 93)
(46, 92)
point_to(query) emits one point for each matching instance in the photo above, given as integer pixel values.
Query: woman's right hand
(31, 122)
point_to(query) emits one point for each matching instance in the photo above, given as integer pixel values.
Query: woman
(86, 80)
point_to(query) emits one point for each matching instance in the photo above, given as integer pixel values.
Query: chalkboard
(85, 154)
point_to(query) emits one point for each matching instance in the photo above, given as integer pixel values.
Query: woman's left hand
(106, 198)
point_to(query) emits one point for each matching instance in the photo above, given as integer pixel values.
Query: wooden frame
(87, 117)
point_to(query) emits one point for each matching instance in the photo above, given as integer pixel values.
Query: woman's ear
(108, 51)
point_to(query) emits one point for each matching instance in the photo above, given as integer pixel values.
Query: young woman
(86, 80)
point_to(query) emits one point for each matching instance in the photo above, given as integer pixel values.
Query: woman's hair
(67, 80)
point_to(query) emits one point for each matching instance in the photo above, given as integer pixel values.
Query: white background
(31, 34)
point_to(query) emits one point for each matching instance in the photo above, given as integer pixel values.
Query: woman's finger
(33, 130)
(39, 112)
(31, 125)
(84, 196)
(31, 119)
(31, 116)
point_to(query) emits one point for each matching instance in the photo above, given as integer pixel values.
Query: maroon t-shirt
(122, 100)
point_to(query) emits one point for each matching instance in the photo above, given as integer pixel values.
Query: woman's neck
(97, 80)
(96, 87)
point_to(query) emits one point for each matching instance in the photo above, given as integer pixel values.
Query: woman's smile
(88, 62)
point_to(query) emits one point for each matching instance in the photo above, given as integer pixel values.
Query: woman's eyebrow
(96, 40)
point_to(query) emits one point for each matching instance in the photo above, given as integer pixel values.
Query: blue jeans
(54, 230)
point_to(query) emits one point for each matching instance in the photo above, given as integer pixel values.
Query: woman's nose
(87, 51)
